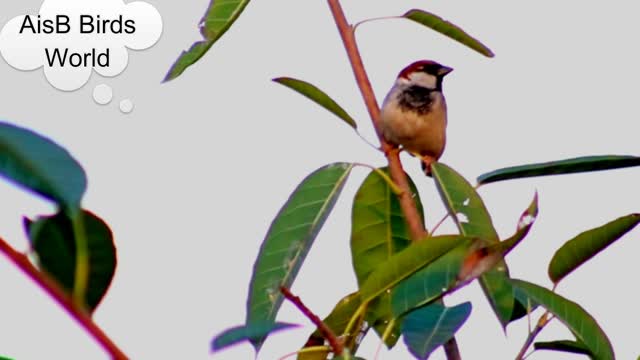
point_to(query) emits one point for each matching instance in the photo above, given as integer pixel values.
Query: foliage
(402, 278)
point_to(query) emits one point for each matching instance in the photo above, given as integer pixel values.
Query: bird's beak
(444, 70)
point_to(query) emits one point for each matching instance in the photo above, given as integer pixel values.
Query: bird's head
(424, 73)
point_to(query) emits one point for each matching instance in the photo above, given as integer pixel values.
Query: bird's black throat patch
(416, 98)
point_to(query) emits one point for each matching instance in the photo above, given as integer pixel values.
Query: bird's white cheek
(423, 79)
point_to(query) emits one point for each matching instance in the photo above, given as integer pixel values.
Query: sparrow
(414, 112)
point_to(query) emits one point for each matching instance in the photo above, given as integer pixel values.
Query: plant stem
(408, 206)
(81, 275)
(542, 322)
(326, 332)
(393, 156)
(394, 188)
(355, 26)
(51, 287)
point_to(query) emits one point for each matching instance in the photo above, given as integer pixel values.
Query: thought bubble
(126, 106)
(102, 94)
(69, 38)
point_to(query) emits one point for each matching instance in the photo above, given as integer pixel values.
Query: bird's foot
(426, 161)
(391, 150)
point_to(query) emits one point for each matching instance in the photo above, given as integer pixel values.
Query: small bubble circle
(102, 94)
(126, 106)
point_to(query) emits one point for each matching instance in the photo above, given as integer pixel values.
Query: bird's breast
(421, 130)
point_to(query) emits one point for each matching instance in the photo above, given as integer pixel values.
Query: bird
(414, 112)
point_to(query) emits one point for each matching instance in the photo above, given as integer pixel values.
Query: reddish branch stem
(542, 322)
(52, 288)
(395, 167)
(408, 206)
(335, 344)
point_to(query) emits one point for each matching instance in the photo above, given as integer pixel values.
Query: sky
(190, 179)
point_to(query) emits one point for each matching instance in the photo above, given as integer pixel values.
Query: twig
(394, 188)
(408, 206)
(542, 322)
(439, 223)
(385, 335)
(51, 287)
(395, 167)
(335, 344)
(366, 141)
(355, 26)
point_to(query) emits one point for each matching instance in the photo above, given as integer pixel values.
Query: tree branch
(542, 322)
(51, 287)
(326, 332)
(407, 204)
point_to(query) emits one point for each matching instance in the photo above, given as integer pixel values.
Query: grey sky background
(190, 180)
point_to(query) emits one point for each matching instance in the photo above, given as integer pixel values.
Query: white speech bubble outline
(27, 51)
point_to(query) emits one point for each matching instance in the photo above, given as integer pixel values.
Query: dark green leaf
(448, 29)
(289, 239)
(318, 96)
(408, 261)
(378, 227)
(378, 231)
(581, 324)
(523, 305)
(457, 268)
(429, 327)
(569, 166)
(253, 332)
(586, 245)
(219, 17)
(429, 283)
(53, 240)
(40, 165)
(569, 346)
(470, 215)
(336, 321)
(463, 203)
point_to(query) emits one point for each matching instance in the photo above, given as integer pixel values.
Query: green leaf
(289, 239)
(429, 327)
(569, 346)
(219, 17)
(458, 267)
(348, 357)
(253, 332)
(471, 217)
(448, 29)
(378, 227)
(463, 203)
(522, 306)
(53, 240)
(318, 96)
(581, 324)
(378, 231)
(40, 165)
(586, 245)
(336, 321)
(569, 166)
(408, 261)
(429, 283)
